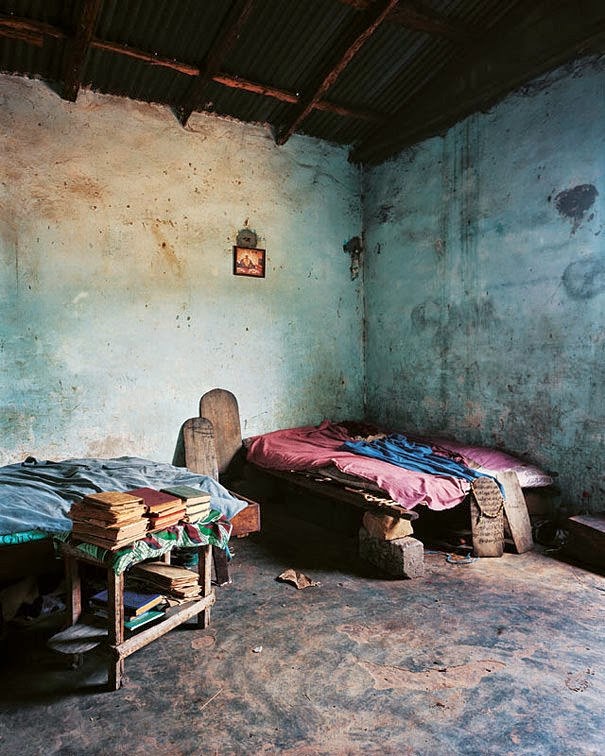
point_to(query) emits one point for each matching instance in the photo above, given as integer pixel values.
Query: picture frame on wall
(249, 261)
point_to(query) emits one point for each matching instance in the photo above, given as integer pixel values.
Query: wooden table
(119, 647)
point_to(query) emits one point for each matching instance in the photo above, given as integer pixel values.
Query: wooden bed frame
(35, 559)
(328, 503)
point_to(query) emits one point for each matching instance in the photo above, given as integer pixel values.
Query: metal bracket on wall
(354, 247)
(246, 237)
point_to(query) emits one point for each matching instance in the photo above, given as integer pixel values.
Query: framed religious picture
(249, 261)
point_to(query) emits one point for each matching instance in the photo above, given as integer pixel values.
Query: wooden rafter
(144, 56)
(77, 48)
(348, 46)
(232, 81)
(34, 32)
(227, 37)
(508, 14)
(14, 27)
(488, 73)
(418, 16)
(236, 82)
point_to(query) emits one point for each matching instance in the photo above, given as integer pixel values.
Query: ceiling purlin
(345, 50)
(77, 46)
(146, 57)
(226, 39)
(34, 32)
(283, 95)
(418, 16)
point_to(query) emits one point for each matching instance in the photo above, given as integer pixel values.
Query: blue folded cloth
(399, 450)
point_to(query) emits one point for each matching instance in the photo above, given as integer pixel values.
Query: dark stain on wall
(426, 315)
(384, 213)
(354, 247)
(575, 202)
(430, 315)
(584, 279)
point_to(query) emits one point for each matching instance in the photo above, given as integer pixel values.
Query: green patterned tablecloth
(10, 539)
(213, 530)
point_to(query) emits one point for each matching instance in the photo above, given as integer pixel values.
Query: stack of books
(169, 579)
(139, 608)
(110, 519)
(197, 502)
(163, 510)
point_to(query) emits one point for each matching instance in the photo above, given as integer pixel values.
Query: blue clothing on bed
(399, 450)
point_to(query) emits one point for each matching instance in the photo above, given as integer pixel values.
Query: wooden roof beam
(349, 45)
(26, 31)
(233, 81)
(223, 44)
(77, 46)
(236, 82)
(34, 32)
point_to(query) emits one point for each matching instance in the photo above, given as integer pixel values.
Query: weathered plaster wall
(485, 280)
(118, 305)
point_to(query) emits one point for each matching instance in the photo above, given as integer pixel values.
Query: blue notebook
(135, 603)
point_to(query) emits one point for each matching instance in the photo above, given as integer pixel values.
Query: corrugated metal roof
(283, 49)
(286, 40)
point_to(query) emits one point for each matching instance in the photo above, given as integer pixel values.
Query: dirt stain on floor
(461, 676)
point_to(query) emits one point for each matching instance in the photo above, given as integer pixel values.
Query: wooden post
(74, 589)
(115, 605)
(516, 512)
(205, 579)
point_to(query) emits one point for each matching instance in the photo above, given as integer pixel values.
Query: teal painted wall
(485, 281)
(118, 307)
(484, 278)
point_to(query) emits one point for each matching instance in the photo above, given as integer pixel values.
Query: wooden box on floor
(586, 541)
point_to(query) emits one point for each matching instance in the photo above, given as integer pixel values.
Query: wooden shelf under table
(73, 638)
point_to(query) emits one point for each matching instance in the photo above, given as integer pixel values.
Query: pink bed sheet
(311, 447)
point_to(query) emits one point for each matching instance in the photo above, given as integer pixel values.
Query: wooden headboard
(220, 407)
(211, 443)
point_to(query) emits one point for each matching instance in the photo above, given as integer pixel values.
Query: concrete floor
(502, 656)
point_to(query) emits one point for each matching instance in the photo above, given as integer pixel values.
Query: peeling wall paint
(484, 272)
(485, 306)
(118, 305)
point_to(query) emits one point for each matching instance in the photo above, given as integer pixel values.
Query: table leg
(115, 605)
(74, 599)
(205, 580)
(74, 590)
(221, 566)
